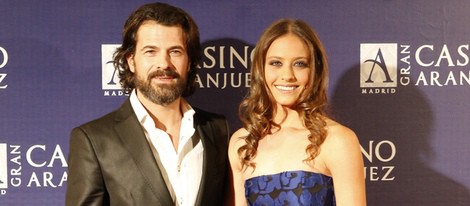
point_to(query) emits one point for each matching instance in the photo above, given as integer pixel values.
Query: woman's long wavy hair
(258, 108)
(166, 15)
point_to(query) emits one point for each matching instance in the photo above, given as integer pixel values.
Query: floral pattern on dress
(291, 188)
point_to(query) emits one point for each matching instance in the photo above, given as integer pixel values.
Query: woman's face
(287, 69)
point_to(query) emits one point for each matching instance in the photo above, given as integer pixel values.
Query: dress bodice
(290, 188)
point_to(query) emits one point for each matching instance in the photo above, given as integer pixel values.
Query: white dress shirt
(184, 166)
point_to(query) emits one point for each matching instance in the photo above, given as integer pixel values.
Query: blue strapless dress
(290, 188)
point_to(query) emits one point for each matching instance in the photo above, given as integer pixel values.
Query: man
(155, 149)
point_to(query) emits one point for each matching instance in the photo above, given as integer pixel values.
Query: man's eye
(175, 52)
(149, 51)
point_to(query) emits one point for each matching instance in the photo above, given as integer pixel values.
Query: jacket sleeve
(85, 184)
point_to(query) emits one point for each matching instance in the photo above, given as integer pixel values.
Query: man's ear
(131, 63)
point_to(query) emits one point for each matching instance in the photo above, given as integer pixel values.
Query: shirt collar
(143, 115)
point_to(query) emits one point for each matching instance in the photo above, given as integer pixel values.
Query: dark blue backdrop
(415, 136)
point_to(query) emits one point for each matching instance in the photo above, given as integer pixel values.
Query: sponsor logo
(32, 166)
(3, 167)
(109, 74)
(378, 158)
(225, 66)
(3, 63)
(378, 65)
(378, 68)
(386, 66)
(441, 65)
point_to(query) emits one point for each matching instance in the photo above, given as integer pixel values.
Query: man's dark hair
(166, 15)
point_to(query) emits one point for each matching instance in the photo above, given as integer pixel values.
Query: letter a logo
(378, 65)
(109, 74)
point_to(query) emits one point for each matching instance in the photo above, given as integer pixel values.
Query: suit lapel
(205, 132)
(214, 137)
(133, 137)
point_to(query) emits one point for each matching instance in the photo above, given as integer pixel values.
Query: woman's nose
(288, 74)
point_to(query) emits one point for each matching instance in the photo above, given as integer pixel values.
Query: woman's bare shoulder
(237, 139)
(339, 135)
(239, 135)
(242, 132)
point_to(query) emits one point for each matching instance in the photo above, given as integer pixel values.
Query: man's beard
(161, 94)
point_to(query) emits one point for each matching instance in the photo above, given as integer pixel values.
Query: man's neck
(164, 116)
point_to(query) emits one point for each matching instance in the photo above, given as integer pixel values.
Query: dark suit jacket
(111, 163)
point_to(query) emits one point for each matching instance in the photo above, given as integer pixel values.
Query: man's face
(160, 62)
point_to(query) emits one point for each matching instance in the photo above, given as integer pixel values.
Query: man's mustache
(164, 73)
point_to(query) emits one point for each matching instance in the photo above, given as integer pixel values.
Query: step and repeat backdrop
(399, 77)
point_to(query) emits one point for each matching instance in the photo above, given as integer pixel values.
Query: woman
(289, 152)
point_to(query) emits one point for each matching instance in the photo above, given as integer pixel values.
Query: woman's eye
(301, 64)
(275, 63)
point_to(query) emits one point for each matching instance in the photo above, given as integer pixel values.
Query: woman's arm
(236, 196)
(344, 160)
